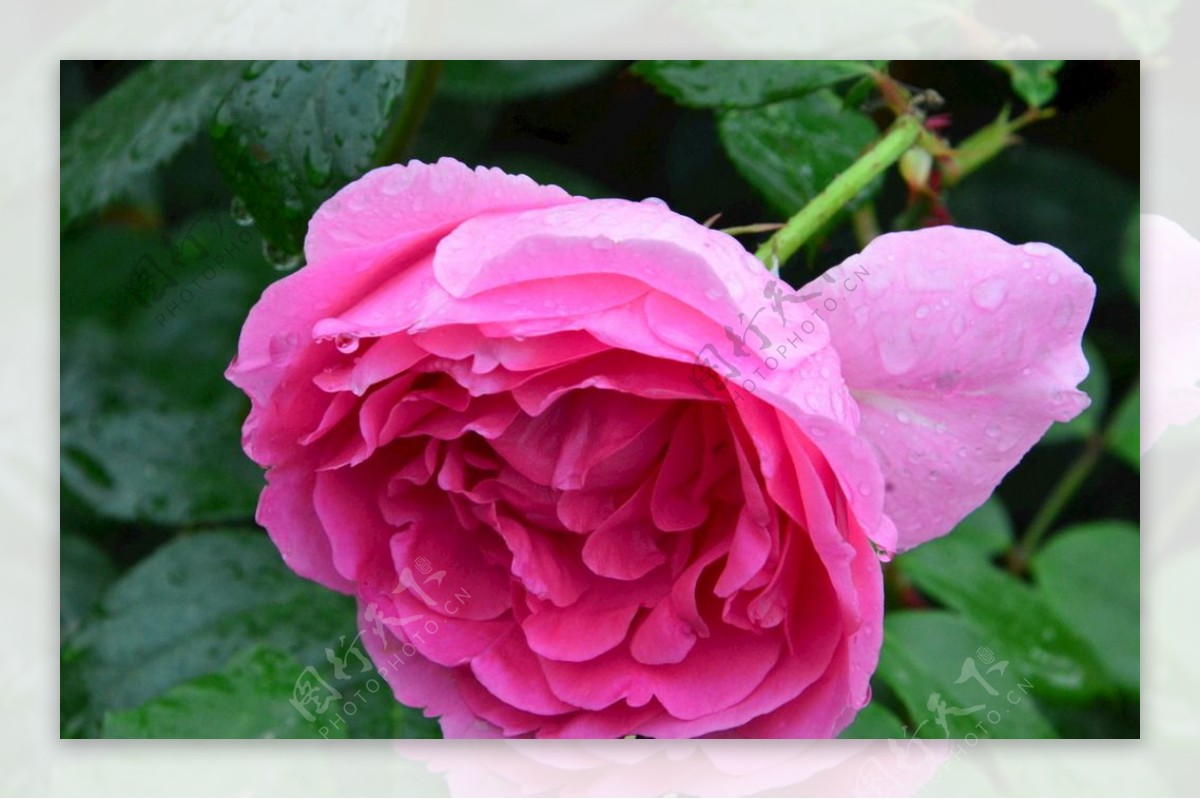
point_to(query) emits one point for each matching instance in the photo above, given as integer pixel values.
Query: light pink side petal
(961, 350)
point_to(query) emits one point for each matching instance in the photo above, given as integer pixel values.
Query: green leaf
(1125, 429)
(149, 426)
(925, 661)
(84, 572)
(1095, 385)
(1089, 575)
(291, 133)
(138, 125)
(193, 604)
(791, 150)
(1016, 621)
(506, 81)
(875, 721)
(985, 533)
(246, 699)
(745, 84)
(1033, 81)
(200, 601)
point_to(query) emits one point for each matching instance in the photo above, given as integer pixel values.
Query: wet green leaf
(138, 125)
(291, 133)
(745, 84)
(793, 149)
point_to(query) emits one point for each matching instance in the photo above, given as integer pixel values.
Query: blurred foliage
(186, 188)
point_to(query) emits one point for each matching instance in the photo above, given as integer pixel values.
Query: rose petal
(961, 350)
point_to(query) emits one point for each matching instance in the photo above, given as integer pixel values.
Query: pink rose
(591, 471)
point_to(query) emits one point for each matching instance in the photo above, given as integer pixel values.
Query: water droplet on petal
(1037, 249)
(902, 417)
(989, 293)
(884, 554)
(897, 354)
(992, 431)
(345, 342)
(922, 311)
(1053, 278)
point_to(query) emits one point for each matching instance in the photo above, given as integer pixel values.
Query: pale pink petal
(961, 350)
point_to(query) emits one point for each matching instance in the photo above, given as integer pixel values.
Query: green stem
(1048, 513)
(420, 83)
(989, 141)
(833, 198)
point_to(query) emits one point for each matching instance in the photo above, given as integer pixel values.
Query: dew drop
(1053, 278)
(318, 166)
(281, 259)
(255, 69)
(902, 417)
(1037, 249)
(241, 214)
(989, 293)
(222, 122)
(897, 354)
(885, 555)
(345, 342)
(1063, 313)
(922, 311)
(992, 431)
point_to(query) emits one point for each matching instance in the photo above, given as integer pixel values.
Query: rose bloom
(591, 470)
